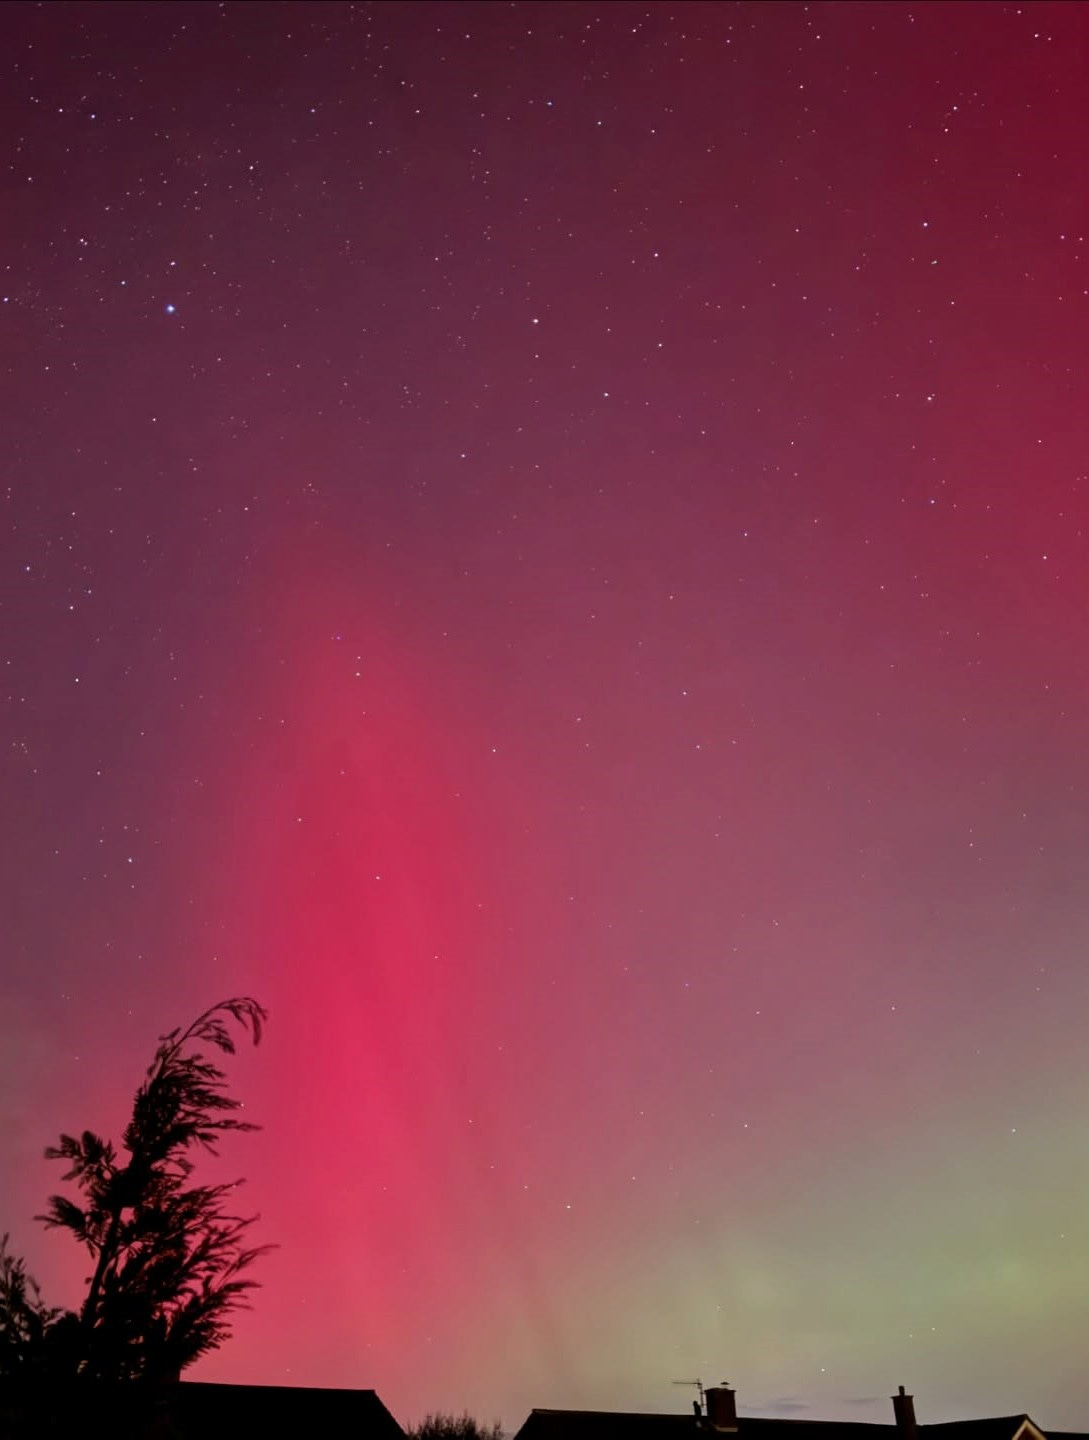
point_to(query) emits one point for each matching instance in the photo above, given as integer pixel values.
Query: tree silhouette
(442, 1426)
(169, 1256)
(24, 1318)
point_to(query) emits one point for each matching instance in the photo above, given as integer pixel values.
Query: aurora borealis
(546, 542)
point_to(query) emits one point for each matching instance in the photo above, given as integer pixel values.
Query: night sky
(548, 543)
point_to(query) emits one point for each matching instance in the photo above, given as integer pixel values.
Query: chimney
(903, 1407)
(721, 1408)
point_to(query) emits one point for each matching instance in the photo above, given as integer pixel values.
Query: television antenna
(699, 1386)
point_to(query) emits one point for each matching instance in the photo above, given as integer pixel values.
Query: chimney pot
(721, 1408)
(903, 1408)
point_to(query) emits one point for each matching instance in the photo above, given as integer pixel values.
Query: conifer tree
(169, 1256)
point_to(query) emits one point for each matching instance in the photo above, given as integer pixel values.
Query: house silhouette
(189, 1410)
(722, 1422)
(194, 1410)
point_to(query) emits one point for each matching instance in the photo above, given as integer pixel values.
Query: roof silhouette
(189, 1410)
(618, 1425)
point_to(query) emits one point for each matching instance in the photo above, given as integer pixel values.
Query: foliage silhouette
(169, 1256)
(442, 1426)
(24, 1318)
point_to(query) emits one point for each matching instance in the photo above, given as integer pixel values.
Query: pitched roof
(191, 1410)
(617, 1425)
(1002, 1427)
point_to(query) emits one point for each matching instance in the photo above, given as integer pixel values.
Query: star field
(547, 542)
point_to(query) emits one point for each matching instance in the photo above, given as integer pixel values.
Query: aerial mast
(700, 1404)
